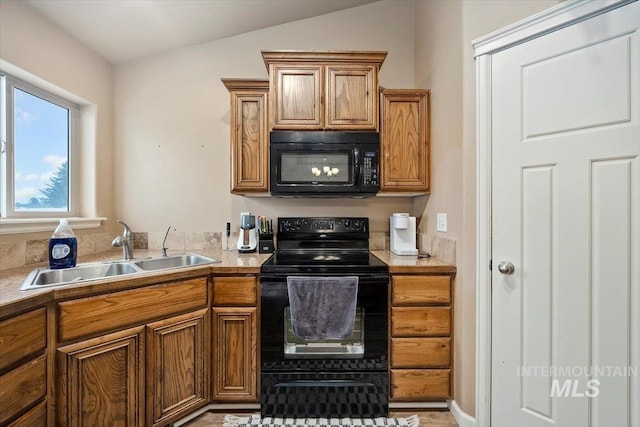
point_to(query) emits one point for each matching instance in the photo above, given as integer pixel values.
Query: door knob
(505, 267)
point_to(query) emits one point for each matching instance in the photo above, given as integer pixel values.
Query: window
(37, 153)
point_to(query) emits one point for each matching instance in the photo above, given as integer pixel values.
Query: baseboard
(418, 405)
(462, 418)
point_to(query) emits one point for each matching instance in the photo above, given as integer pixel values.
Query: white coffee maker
(402, 231)
(248, 238)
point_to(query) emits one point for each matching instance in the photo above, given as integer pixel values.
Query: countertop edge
(38, 298)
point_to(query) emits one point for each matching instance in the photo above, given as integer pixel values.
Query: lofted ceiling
(124, 30)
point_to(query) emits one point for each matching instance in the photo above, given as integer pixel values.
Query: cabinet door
(351, 97)
(404, 140)
(235, 356)
(176, 354)
(101, 381)
(249, 136)
(296, 97)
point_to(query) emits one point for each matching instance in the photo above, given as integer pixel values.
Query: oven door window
(317, 168)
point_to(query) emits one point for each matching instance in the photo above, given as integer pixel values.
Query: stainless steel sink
(82, 273)
(175, 261)
(45, 277)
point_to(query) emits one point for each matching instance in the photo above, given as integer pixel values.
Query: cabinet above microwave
(313, 90)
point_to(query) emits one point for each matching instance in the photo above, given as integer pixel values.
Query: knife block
(265, 243)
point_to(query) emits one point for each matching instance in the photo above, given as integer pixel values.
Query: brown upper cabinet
(404, 140)
(314, 90)
(249, 135)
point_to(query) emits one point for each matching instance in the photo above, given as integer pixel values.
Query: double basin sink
(44, 277)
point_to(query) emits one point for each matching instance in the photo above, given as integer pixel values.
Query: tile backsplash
(36, 251)
(28, 252)
(442, 248)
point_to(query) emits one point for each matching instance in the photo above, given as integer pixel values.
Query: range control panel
(323, 225)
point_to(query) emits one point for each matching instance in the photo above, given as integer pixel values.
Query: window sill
(34, 225)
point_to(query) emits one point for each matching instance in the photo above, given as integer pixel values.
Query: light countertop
(13, 300)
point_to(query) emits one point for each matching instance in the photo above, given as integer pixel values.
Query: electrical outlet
(441, 222)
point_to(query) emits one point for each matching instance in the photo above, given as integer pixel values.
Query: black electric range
(329, 378)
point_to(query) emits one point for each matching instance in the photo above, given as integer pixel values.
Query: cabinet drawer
(36, 417)
(408, 290)
(103, 313)
(235, 291)
(420, 352)
(420, 321)
(22, 336)
(420, 384)
(22, 387)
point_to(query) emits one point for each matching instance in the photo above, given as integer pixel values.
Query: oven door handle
(323, 383)
(362, 278)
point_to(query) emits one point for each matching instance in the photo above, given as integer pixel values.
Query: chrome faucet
(164, 248)
(126, 241)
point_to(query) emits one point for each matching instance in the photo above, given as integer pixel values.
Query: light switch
(441, 222)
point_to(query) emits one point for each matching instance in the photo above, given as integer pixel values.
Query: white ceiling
(122, 30)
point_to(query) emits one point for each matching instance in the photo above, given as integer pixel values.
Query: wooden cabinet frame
(346, 83)
(235, 343)
(421, 337)
(296, 97)
(249, 135)
(177, 361)
(83, 374)
(318, 90)
(404, 141)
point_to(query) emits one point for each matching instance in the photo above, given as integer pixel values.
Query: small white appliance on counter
(248, 238)
(402, 231)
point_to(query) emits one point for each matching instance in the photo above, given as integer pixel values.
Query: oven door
(329, 383)
(372, 303)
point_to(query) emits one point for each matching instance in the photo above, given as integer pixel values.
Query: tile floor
(427, 419)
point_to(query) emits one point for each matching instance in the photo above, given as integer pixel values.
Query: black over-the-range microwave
(324, 163)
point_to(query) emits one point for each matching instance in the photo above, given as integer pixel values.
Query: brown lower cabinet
(235, 352)
(176, 366)
(152, 355)
(23, 369)
(36, 417)
(101, 380)
(140, 360)
(235, 339)
(421, 325)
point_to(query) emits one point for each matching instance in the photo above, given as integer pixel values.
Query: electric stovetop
(324, 262)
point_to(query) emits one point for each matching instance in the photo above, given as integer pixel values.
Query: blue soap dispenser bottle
(63, 247)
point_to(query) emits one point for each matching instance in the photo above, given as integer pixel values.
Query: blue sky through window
(41, 144)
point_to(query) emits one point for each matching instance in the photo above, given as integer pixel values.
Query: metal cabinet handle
(505, 267)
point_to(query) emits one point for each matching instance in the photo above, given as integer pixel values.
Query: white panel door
(566, 214)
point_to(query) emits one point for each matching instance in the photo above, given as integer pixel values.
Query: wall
(444, 63)
(172, 121)
(34, 49)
